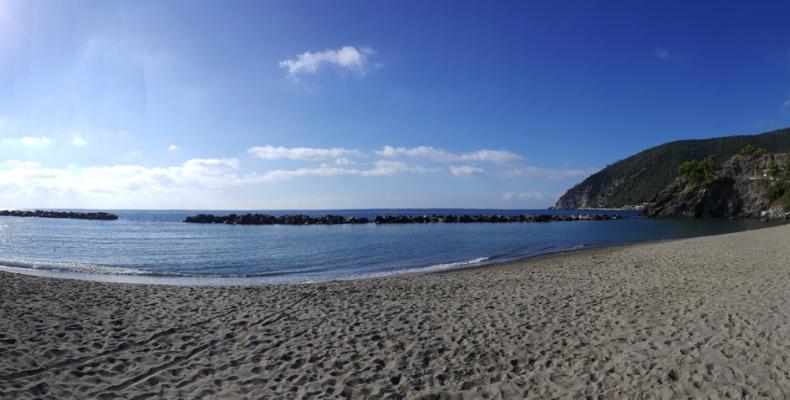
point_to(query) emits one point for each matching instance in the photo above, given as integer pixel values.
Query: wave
(431, 268)
(314, 275)
(90, 271)
(81, 268)
(455, 265)
(106, 273)
(84, 270)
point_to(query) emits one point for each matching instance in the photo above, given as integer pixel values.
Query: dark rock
(641, 177)
(99, 216)
(420, 219)
(737, 189)
(261, 219)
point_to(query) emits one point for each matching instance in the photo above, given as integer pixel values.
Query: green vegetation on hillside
(750, 150)
(779, 192)
(699, 171)
(775, 190)
(639, 178)
(772, 169)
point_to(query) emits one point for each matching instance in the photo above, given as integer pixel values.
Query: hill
(746, 185)
(639, 178)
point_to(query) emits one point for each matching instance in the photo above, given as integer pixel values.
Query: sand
(706, 317)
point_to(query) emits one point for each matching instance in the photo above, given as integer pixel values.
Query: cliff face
(599, 194)
(639, 178)
(737, 189)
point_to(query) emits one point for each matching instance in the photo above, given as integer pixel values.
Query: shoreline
(251, 281)
(145, 278)
(700, 317)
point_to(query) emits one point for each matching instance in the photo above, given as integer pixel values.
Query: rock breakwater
(100, 216)
(263, 219)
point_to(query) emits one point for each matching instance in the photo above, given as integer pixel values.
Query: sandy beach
(705, 317)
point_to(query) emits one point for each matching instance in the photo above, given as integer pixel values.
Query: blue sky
(353, 104)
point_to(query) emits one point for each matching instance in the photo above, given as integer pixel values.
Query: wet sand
(703, 317)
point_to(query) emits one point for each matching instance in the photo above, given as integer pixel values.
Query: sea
(156, 247)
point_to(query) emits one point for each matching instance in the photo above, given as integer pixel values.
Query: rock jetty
(263, 219)
(99, 216)
(423, 219)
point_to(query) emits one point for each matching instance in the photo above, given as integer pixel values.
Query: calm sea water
(156, 247)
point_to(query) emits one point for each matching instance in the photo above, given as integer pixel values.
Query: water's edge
(185, 280)
(146, 278)
(156, 247)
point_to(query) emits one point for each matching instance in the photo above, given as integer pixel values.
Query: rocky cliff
(640, 177)
(742, 186)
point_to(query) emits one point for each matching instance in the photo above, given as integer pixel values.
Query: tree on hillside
(699, 170)
(772, 169)
(753, 151)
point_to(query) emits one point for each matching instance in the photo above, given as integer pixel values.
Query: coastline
(247, 281)
(678, 318)
(107, 274)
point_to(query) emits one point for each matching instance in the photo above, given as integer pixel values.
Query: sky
(367, 104)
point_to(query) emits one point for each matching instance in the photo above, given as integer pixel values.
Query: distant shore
(697, 317)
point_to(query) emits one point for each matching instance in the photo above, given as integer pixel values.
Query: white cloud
(173, 147)
(34, 141)
(549, 174)
(301, 153)
(343, 161)
(324, 170)
(423, 152)
(191, 184)
(79, 141)
(516, 162)
(462, 170)
(386, 168)
(125, 180)
(786, 104)
(380, 168)
(494, 156)
(347, 57)
(526, 196)
(214, 171)
(662, 53)
(30, 179)
(442, 155)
